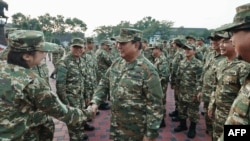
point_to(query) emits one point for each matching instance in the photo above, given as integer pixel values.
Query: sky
(208, 14)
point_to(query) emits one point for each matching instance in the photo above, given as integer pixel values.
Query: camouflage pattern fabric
(114, 54)
(90, 82)
(173, 81)
(208, 83)
(239, 112)
(22, 93)
(57, 55)
(148, 54)
(4, 53)
(202, 50)
(230, 77)
(103, 61)
(188, 78)
(71, 75)
(162, 65)
(43, 71)
(136, 99)
(41, 125)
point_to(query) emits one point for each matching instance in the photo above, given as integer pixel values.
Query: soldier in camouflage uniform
(71, 75)
(23, 92)
(42, 126)
(208, 79)
(239, 113)
(177, 43)
(56, 56)
(103, 59)
(201, 48)
(90, 82)
(192, 40)
(229, 78)
(114, 51)
(146, 51)
(162, 65)
(165, 48)
(135, 91)
(188, 74)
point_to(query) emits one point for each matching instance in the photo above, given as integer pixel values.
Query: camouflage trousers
(208, 121)
(43, 132)
(176, 98)
(220, 117)
(189, 110)
(164, 101)
(76, 131)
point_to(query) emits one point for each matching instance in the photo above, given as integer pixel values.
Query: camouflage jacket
(70, 78)
(188, 78)
(136, 98)
(175, 64)
(103, 62)
(162, 65)
(208, 74)
(22, 93)
(57, 55)
(239, 113)
(148, 54)
(4, 53)
(43, 71)
(90, 82)
(114, 54)
(230, 76)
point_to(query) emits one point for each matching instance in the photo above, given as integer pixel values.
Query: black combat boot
(163, 123)
(182, 126)
(192, 130)
(174, 113)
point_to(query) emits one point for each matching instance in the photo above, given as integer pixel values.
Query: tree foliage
(52, 26)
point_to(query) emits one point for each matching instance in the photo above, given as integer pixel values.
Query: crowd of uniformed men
(86, 74)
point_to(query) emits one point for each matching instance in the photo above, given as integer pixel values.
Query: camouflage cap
(214, 36)
(241, 19)
(9, 31)
(89, 40)
(179, 42)
(190, 37)
(129, 34)
(77, 42)
(225, 35)
(200, 39)
(28, 40)
(106, 42)
(188, 46)
(51, 47)
(157, 45)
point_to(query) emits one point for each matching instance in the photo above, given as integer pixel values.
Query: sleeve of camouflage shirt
(107, 59)
(154, 96)
(198, 76)
(212, 105)
(44, 99)
(61, 78)
(102, 89)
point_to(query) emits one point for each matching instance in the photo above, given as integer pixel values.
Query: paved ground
(101, 123)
